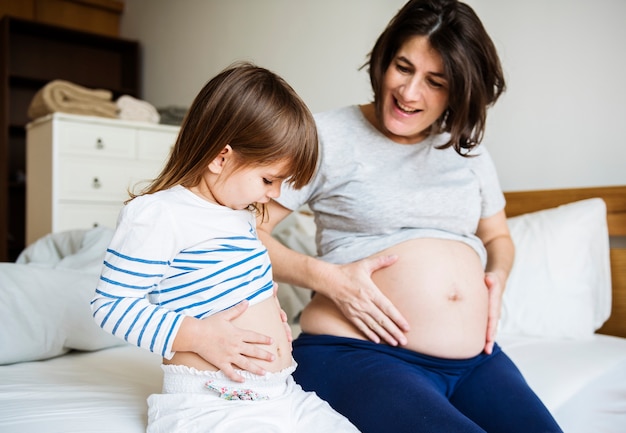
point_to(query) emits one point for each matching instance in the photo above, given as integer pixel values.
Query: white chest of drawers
(80, 169)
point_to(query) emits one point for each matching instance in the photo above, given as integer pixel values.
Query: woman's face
(414, 92)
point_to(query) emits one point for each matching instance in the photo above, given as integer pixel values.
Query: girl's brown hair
(255, 112)
(471, 64)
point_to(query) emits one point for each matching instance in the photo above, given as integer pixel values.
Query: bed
(564, 321)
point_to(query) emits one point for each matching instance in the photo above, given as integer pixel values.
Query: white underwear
(180, 379)
(195, 401)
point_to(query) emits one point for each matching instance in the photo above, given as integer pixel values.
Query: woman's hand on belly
(362, 303)
(496, 290)
(245, 338)
(438, 285)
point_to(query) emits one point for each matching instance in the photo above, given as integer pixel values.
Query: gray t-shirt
(370, 193)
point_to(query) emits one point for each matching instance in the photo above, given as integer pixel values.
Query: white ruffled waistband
(179, 379)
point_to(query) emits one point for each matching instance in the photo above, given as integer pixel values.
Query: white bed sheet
(582, 382)
(103, 391)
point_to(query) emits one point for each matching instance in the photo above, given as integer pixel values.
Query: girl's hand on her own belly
(251, 339)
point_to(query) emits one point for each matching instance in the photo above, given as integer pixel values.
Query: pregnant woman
(413, 245)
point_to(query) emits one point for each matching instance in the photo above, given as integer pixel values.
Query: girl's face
(414, 92)
(246, 185)
(226, 183)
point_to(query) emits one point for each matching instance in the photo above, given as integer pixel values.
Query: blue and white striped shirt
(174, 254)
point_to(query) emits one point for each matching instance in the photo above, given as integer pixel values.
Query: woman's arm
(350, 286)
(494, 232)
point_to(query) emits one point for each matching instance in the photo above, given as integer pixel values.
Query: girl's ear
(217, 165)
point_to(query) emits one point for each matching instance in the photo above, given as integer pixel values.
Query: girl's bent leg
(311, 414)
(207, 402)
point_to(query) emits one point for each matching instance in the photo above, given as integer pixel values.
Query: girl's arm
(134, 264)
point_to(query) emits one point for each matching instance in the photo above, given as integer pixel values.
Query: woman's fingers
(390, 320)
(495, 304)
(366, 330)
(387, 322)
(372, 321)
(391, 333)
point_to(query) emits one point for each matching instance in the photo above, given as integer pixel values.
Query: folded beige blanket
(67, 97)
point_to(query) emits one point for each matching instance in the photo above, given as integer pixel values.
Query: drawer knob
(96, 183)
(99, 144)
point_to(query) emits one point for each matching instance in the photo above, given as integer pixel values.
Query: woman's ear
(217, 165)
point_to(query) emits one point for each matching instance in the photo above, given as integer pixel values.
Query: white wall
(562, 122)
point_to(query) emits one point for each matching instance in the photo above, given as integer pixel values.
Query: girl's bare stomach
(438, 286)
(263, 318)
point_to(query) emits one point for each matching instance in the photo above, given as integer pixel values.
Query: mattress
(103, 391)
(581, 381)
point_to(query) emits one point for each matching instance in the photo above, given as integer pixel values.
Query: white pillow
(44, 307)
(560, 284)
(45, 313)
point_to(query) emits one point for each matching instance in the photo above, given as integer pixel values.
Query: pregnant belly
(438, 286)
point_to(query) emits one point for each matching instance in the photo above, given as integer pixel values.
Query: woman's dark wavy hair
(471, 64)
(255, 112)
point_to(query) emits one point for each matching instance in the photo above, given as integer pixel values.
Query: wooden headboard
(520, 202)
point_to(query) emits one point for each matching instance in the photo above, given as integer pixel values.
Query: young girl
(185, 275)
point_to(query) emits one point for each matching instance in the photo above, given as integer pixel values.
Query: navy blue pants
(384, 389)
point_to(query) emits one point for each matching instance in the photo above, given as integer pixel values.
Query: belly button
(453, 297)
